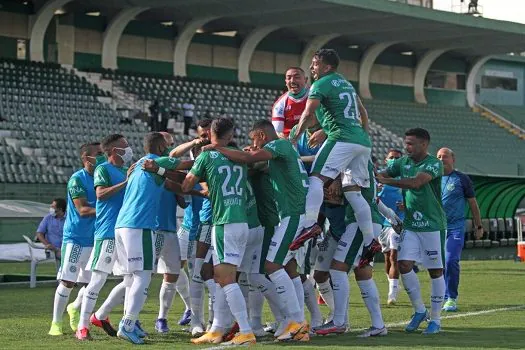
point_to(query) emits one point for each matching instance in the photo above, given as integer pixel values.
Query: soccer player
(392, 197)
(287, 110)
(290, 183)
(335, 104)
(138, 246)
(456, 189)
(423, 236)
(227, 191)
(77, 241)
(110, 185)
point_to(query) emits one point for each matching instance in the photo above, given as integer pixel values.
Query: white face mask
(127, 157)
(52, 211)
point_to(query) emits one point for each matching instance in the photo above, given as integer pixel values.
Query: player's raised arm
(363, 114)
(412, 183)
(245, 157)
(78, 194)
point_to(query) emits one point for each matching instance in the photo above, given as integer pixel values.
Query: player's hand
(381, 178)
(249, 148)
(317, 138)
(479, 233)
(130, 170)
(335, 189)
(150, 166)
(49, 246)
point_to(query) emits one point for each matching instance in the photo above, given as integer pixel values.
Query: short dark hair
(108, 141)
(205, 123)
(85, 147)
(262, 124)
(60, 203)
(152, 140)
(221, 126)
(419, 133)
(396, 150)
(296, 68)
(328, 56)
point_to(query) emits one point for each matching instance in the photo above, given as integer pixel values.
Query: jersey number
(228, 191)
(303, 171)
(348, 109)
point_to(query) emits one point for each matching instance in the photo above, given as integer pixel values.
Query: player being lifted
(424, 225)
(290, 182)
(227, 191)
(333, 100)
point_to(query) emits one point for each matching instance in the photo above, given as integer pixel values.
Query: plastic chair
(35, 259)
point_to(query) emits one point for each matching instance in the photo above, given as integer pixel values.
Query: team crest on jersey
(73, 269)
(214, 154)
(107, 260)
(451, 187)
(417, 216)
(336, 83)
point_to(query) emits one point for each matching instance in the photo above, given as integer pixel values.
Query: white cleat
(391, 302)
(197, 330)
(281, 328)
(260, 332)
(374, 332)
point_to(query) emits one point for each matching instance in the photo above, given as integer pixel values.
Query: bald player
(456, 191)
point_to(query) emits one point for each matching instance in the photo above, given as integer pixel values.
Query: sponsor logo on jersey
(135, 259)
(110, 248)
(232, 255)
(74, 256)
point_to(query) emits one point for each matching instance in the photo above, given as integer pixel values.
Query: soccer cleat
(186, 318)
(291, 330)
(161, 325)
(450, 305)
(83, 334)
(197, 330)
(229, 335)
(373, 332)
(391, 302)
(307, 233)
(74, 316)
(271, 327)
(304, 333)
(416, 320)
(104, 324)
(260, 332)
(242, 339)
(130, 336)
(139, 330)
(56, 329)
(330, 328)
(320, 300)
(209, 338)
(368, 253)
(432, 328)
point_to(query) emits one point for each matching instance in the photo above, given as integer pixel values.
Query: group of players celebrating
(295, 209)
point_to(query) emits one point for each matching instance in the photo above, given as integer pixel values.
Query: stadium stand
(514, 114)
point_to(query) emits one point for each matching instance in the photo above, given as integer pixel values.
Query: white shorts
(425, 247)
(351, 159)
(251, 260)
(204, 233)
(184, 242)
(389, 239)
(350, 245)
(305, 257)
(169, 257)
(326, 253)
(73, 263)
(137, 249)
(103, 256)
(229, 243)
(289, 228)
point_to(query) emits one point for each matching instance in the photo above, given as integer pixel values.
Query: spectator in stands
(51, 228)
(189, 110)
(473, 6)
(154, 111)
(456, 190)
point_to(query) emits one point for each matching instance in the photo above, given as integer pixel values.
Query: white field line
(399, 324)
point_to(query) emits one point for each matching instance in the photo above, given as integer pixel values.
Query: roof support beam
(113, 33)
(471, 79)
(366, 64)
(421, 73)
(313, 45)
(248, 48)
(42, 19)
(183, 42)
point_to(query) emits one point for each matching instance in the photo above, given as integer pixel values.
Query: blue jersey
(455, 189)
(390, 196)
(302, 147)
(205, 214)
(107, 175)
(191, 219)
(77, 229)
(167, 215)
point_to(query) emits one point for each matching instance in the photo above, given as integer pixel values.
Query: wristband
(161, 171)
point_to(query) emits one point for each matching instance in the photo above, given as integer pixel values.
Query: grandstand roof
(498, 197)
(360, 22)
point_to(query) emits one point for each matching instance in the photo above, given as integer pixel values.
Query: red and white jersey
(287, 111)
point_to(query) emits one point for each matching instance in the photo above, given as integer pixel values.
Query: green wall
(87, 61)
(392, 92)
(446, 97)
(145, 66)
(8, 47)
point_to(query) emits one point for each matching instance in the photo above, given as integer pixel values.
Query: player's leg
(100, 318)
(182, 286)
(197, 281)
(326, 253)
(309, 296)
(389, 240)
(453, 248)
(370, 295)
(169, 266)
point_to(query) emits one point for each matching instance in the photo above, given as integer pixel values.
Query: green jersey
(424, 211)
(227, 186)
(370, 195)
(289, 178)
(263, 191)
(338, 112)
(251, 207)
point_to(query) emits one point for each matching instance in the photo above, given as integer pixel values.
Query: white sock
(341, 288)
(115, 297)
(310, 299)
(314, 200)
(286, 291)
(220, 311)
(196, 300)
(77, 303)
(128, 281)
(137, 297)
(363, 215)
(244, 285)
(437, 295)
(183, 288)
(166, 295)
(371, 298)
(393, 288)
(98, 279)
(212, 287)
(255, 306)
(61, 298)
(411, 284)
(299, 292)
(325, 289)
(237, 306)
(267, 288)
(197, 266)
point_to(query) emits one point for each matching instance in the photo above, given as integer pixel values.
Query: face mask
(167, 151)
(101, 158)
(389, 161)
(127, 157)
(52, 211)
